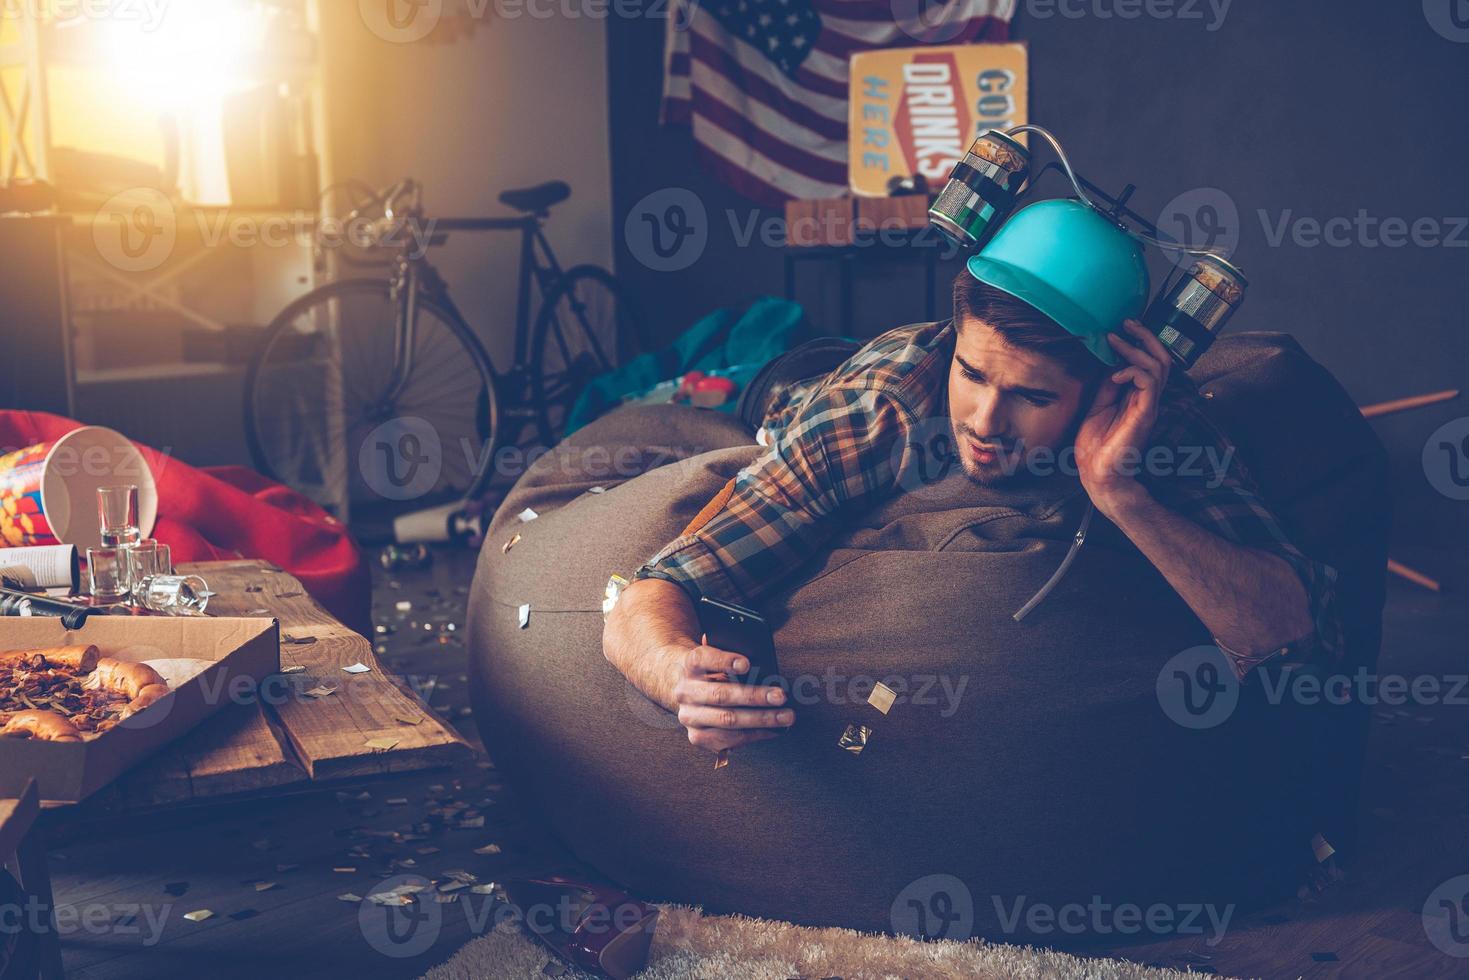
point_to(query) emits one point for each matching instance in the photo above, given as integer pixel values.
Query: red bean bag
(230, 512)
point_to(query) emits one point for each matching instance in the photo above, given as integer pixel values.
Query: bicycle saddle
(537, 198)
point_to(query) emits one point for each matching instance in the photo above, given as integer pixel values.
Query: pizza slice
(71, 693)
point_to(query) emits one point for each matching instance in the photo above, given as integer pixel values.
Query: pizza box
(216, 662)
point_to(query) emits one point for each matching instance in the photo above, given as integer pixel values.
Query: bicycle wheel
(585, 327)
(320, 416)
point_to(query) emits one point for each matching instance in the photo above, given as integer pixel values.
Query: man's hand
(652, 637)
(1114, 435)
(722, 714)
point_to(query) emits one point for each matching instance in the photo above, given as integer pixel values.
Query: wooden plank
(876, 215)
(235, 751)
(819, 222)
(329, 734)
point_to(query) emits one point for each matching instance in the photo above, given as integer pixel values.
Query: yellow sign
(916, 110)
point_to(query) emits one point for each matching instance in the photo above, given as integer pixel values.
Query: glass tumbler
(117, 509)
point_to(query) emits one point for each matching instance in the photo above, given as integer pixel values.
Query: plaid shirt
(846, 441)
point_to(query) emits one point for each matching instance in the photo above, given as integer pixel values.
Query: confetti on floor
(265, 886)
(505, 548)
(382, 743)
(882, 698)
(525, 615)
(297, 669)
(854, 739)
(528, 515)
(349, 897)
(357, 668)
(199, 915)
(321, 692)
(403, 719)
(488, 849)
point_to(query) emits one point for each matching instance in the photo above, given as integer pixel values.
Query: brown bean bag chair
(1024, 764)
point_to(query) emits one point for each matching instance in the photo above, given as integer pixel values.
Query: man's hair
(1023, 327)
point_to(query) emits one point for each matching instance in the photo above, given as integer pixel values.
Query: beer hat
(1072, 264)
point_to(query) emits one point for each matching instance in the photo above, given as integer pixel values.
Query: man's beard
(1010, 464)
(1007, 466)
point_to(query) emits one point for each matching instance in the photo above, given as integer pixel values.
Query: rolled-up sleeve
(840, 452)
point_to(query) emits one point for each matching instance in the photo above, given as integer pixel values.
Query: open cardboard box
(217, 663)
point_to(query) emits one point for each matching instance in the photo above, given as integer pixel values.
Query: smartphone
(744, 631)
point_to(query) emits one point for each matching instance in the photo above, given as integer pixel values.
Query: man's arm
(1252, 601)
(652, 637)
(835, 455)
(1213, 539)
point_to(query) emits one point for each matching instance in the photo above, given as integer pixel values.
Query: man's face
(1005, 402)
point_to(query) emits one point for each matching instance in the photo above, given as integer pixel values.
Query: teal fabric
(731, 342)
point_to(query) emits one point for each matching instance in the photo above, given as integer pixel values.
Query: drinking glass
(108, 570)
(117, 507)
(176, 595)
(142, 565)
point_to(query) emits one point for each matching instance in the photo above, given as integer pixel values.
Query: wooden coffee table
(294, 742)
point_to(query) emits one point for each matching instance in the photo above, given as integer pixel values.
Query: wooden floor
(131, 886)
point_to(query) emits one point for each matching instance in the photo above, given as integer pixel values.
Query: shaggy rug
(691, 946)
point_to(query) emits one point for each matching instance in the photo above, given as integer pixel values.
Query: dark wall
(1285, 111)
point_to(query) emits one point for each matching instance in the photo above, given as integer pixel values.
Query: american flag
(763, 83)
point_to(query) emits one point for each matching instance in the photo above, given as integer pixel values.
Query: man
(1017, 389)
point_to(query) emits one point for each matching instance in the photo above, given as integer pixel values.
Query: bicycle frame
(538, 267)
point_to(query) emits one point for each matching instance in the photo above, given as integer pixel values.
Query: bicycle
(380, 369)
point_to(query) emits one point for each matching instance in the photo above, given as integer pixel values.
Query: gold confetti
(854, 739)
(345, 871)
(298, 669)
(264, 886)
(382, 743)
(882, 698)
(488, 849)
(199, 916)
(405, 720)
(488, 888)
(721, 760)
(321, 692)
(1321, 848)
(505, 548)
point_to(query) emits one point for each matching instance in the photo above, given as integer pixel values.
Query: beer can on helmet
(982, 189)
(1190, 315)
